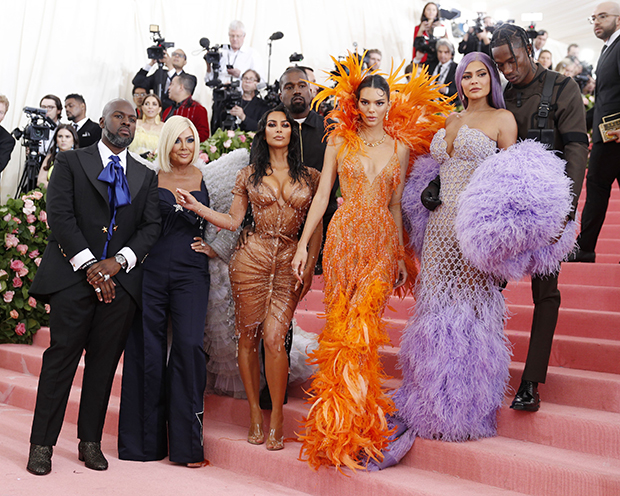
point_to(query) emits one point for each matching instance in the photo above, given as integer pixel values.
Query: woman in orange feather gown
(364, 257)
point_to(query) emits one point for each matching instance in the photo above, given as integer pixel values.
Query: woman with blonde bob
(162, 395)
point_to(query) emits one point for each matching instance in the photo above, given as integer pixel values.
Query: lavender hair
(496, 96)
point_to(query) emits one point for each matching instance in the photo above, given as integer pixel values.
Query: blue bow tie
(118, 193)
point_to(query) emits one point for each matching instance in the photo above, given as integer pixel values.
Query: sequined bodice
(470, 147)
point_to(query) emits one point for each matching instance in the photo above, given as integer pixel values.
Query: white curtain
(94, 47)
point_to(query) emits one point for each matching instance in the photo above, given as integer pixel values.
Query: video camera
(38, 129)
(157, 51)
(213, 57)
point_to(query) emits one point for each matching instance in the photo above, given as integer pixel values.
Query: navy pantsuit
(162, 399)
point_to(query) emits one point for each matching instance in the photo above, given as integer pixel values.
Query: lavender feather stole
(514, 206)
(415, 215)
(454, 357)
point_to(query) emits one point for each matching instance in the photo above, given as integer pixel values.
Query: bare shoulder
(402, 151)
(451, 118)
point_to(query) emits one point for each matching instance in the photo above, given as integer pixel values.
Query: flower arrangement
(24, 228)
(224, 141)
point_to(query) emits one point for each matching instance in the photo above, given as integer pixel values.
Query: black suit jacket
(78, 211)
(89, 133)
(7, 143)
(449, 77)
(607, 91)
(152, 82)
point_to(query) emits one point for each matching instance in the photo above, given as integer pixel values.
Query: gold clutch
(610, 123)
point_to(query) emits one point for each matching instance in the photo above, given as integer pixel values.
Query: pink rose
(242, 138)
(2, 273)
(47, 308)
(22, 272)
(33, 254)
(37, 261)
(230, 133)
(213, 149)
(6, 218)
(20, 329)
(8, 296)
(11, 241)
(17, 265)
(22, 249)
(340, 200)
(17, 282)
(32, 229)
(30, 218)
(16, 220)
(37, 195)
(43, 216)
(204, 157)
(29, 207)
(32, 302)
(14, 314)
(251, 134)
(227, 143)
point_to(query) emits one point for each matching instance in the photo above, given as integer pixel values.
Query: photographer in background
(181, 89)
(236, 58)
(445, 67)
(374, 58)
(53, 105)
(423, 37)
(478, 37)
(539, 43)
(171, 68)
(7, 143)
(251, 107)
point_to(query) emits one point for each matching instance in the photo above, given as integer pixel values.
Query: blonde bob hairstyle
(169, 133)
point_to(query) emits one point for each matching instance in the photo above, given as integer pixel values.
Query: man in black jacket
(103, 220)
(512, 52)
(88, 131)
(604, 166)
(7, 143)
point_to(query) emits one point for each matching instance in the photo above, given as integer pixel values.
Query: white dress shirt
(243, 59)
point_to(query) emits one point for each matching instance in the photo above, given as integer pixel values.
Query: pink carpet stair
(570, 447)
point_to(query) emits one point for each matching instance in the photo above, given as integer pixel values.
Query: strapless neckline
(443, 145)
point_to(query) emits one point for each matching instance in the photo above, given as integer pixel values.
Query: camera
(38, 129)
(296, 57)
(157, 51)
(213, 57)
(425, 44)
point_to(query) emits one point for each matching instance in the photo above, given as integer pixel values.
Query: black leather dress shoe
(578, 255)
(40, 459)
(90, 453)
(527, 397)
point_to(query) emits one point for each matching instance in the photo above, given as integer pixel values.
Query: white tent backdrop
(94, 47)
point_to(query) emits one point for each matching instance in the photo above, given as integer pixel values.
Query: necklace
(376, 143)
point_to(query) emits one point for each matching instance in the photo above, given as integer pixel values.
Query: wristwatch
(121, 260)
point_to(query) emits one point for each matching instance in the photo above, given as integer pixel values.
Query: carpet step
(599, 355)
(69, 476)
(596, 274)
(226, 447)
(517, 465)
(606, 245)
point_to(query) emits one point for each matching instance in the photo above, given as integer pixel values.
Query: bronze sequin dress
(261, 277)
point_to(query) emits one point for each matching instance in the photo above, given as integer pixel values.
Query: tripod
(28, 181)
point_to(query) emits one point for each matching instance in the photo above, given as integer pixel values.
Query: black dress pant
(603, 170)
(78, 322)
(546, 296)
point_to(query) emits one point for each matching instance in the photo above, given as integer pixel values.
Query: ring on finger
(97, 290)
(100, 274)
(106, 277)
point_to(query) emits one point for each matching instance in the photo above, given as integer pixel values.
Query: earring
(387, 114)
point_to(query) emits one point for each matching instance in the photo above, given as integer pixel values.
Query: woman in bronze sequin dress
(280, 189)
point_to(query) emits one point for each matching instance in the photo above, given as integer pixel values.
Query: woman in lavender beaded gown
(454, 354)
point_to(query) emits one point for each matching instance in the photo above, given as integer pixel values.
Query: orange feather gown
(346, 423)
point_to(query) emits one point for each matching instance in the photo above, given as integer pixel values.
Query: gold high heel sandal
(256, 434)
(274, 444)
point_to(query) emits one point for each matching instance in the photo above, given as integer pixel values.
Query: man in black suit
(445, 67)
(103, 211)
(604, 166)
(159, 81)
(7, 143)
(88, 131)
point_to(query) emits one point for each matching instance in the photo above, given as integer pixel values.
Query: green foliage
(223, 142)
